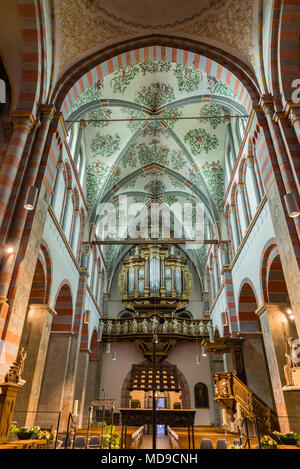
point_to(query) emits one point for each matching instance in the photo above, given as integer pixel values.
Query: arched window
(201, 396)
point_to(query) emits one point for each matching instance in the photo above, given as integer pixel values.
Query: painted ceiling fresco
(155, 128)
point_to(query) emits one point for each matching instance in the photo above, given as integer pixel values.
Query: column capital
(8, 131)
(48, 112)
(293, 115)
(224, 248)
(250, 161)
(23, 120)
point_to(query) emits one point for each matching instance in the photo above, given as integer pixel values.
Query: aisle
(162, 442)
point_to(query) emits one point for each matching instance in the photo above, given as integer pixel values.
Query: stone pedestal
(8, 398)
(276, 328)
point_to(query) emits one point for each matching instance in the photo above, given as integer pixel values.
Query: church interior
(149, 224)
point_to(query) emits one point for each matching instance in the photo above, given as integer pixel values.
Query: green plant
(110, 438)
(235, 446)
(290, 438)
(268, 443)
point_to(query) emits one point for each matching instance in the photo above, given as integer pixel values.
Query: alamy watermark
(156, 221)
(296, 93)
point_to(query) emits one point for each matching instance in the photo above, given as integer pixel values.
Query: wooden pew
(179, 437)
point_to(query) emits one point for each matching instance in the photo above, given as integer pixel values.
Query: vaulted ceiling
(156, 128)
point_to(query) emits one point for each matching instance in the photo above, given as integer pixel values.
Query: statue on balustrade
(291, 368)
(145, 326)
(201, 328)
(134, 326)
(165, 326)
(119, 327)
(184, 328)
(109, 326)
(175, 326)
(210, 331)
(224, 387)
(155, 323)
(192, 329)
(125, 327)
(100, 330)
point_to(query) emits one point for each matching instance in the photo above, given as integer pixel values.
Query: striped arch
(94, 346)
(247, 305)
(63, 322)
(230, 70)
(42, 280)
(276, 285)
(271, 274)
(185, 391)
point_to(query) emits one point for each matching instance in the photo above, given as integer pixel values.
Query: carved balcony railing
(143, 327)
(230, 391)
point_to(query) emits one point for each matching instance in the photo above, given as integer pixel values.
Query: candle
(224, 416)
(75, 408)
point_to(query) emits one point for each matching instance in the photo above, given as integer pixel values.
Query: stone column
(276, 328)
(81, 382)
(78, 144)
(54, 379)
(231, 142)
(35, 339)
(23, 124)
(234, 227)
(242, 190)
(251, 166)
(66, 223)
(58, 180)
(70, 379)
(224, 255)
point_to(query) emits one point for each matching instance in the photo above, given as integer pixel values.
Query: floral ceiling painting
(155, 129)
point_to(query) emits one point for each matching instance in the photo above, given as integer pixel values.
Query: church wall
(114, 372)
(248, 261)
(184, 356)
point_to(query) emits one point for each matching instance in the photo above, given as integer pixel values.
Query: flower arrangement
(29, 433)
(232, 446)
(268, 443)
(290, 438)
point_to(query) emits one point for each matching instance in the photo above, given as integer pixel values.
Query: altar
(174, 417)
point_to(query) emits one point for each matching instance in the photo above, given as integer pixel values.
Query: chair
(221, 444)
(79, 442)
(62, 442)
(94, 442)
(206, 444)
(237, 442)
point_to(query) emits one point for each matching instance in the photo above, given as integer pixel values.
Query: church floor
(162, 442)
